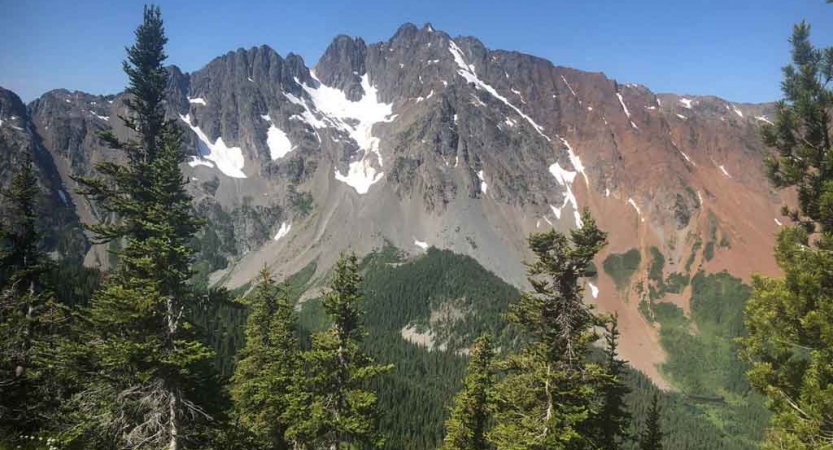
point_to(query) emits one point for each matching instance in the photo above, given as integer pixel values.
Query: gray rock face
(343, 64)
(58, 221)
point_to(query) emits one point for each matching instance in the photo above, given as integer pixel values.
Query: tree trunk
(173, 426)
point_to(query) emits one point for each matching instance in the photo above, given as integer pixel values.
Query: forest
(397, 352)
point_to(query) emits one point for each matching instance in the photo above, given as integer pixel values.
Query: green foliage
(471, 414)
(790, 342)
(702, 356)
(676, 282)
(413, 399)
(32, 322)
(614, 418)
(698, 244)
(332, 407)
(645, 310)
(708, 252)
(549, 396)
(268, 366)
(657, 265)
(148, 359)
(651, 437)
(300, 201)
(622, 266)
(656, 285)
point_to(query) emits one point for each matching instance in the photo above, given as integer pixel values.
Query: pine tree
(651, 437)
(29, 315)
(613, 419)
(333, 407)
(268, 365)
(789, 320)
(548, 398)
(471, 414)
(150, 385)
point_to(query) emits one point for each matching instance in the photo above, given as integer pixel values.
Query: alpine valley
(433, 158)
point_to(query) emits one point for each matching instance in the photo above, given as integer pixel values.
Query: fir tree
(30, 317)
(613, 419)
(151, 380)
(333, 407)
(548, 398)
(789, 320)
(651, 436)
(268, 365)
(471, 414)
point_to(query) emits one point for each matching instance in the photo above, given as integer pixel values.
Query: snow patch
(278, 143)
(683, 153)
(737, 111)
(356, 119)
(624, 108)
(283, 231)
(421, 244)
(575, 161)
(229, 160)
(568, 86)
(483, 184)
(700, 198)
(565, 178)
(106, 119)
(778, 222)
(682, 116)
(686, 102)
(594, 291)
(63, 196)
(764, 119)
(638, 212)
(197, 101)
(723, 169)
(194, 162)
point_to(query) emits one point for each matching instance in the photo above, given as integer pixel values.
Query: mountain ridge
(424, 140)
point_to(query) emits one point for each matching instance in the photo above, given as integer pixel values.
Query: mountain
(430, 141)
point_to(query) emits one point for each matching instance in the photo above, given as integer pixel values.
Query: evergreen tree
(789, 319)
(613, 419)
(152, 375)
(268, 365)
(29, 316)
(333, 407)
(471, 414)
(651, 437)
(548, 398)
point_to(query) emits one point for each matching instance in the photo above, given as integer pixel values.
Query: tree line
(131, 369)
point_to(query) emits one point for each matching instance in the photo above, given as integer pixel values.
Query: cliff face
(59, 222)
(424, 140)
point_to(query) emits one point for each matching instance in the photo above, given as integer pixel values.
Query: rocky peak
(12, 108)
(343, 65)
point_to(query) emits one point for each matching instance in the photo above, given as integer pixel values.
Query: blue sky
(730, 48)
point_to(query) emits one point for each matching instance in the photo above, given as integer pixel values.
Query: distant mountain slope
(424, 140)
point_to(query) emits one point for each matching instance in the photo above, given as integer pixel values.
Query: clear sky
(730, 48)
